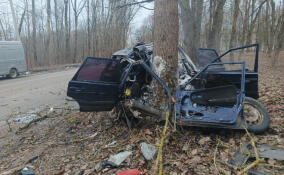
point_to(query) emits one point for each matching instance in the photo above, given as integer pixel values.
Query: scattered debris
(12, 171)
(26, 118)
(132, 172)
(111, 144)
(31, 122)
(254, 172)
(264, 151)
(204, 140)
(108, 164)
(120, 157)
(27, 171)
(148, 150)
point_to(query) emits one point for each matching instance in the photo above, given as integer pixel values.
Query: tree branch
(135, 3)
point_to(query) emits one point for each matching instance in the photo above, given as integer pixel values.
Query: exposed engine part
(146, 109)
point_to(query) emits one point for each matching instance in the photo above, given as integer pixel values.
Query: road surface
(33, 92)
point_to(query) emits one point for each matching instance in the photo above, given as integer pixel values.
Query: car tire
(256, 116)
(13, 73)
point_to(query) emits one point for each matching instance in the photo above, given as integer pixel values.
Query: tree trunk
(234, 26)
(34, 32)
(4, 32)
(76, 39)
(14, 20)
(166, 28)
(191, 17)
(88, 29)
(57, 31)
(48, 29)
(215, 30)
(67, 35)
(272, 27)
(22, 21)
(245, 23)
(253, 20)
(279, 37)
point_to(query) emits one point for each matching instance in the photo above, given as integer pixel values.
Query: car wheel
(256, 116)
(13, 73)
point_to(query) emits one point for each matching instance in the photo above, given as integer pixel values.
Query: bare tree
(77, 9)
(14, 20)
(67, 34)
(191, 17)
(279, 37)
(217, 21)
(234, 26)
(34, 31)
(88, 28)
(3, 30)
(48, 29)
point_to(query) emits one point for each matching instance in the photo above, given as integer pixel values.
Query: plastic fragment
(27, 171)
(120, 157)
(148, 150)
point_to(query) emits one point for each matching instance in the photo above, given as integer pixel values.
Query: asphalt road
(33, 92)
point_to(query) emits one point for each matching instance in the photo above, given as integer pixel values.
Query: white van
(12, 59)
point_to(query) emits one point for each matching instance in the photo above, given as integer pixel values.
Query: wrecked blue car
(212, 93)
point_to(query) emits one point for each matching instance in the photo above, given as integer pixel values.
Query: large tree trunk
(34, 32)
(166, 28)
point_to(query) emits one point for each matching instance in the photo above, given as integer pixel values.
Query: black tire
(260, 119)
(13, 73)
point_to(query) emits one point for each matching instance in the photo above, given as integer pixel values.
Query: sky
(142, 14)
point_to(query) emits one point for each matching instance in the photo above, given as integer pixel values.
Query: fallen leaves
(75, 142)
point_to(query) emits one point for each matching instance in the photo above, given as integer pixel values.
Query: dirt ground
(70, 142)
(33, 92)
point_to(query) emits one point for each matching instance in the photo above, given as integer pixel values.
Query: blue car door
(95, 85)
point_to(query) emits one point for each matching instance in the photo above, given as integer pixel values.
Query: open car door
(96, 83)
(224, 75)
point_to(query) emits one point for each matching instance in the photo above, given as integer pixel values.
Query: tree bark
(234, 27)
(191, 17)
(166, 28)
(48, 29)
(67, 35)
(279, 37)
(22, 21)
(34, 32)
(57, 31)
(215, 30)
(14, 20)
(88, 29)
(3, 30)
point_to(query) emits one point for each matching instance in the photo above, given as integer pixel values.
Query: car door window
(99, 70)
